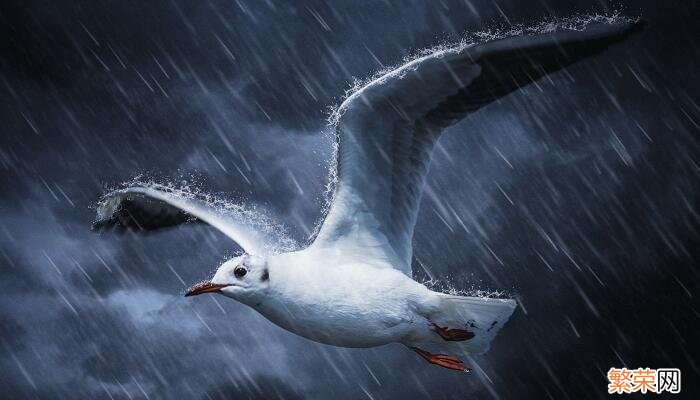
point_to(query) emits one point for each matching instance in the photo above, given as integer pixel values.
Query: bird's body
(315, 293)
(343, 304)
(352, 286)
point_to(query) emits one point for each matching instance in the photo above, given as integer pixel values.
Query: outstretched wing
(144, 209)
(387, 129)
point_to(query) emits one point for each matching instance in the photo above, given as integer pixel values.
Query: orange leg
(452, 335)
(443, 360)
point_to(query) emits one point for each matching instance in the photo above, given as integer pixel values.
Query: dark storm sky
(580, 199)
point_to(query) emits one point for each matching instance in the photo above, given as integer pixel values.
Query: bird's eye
(240, 272)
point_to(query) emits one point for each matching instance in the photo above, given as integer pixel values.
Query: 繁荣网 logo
(623, 380)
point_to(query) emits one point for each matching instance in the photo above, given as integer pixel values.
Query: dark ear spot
(265, 275)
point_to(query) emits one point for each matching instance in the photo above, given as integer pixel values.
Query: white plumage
(352, 286)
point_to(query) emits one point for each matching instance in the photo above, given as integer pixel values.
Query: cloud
(578, 198)
(260, 387)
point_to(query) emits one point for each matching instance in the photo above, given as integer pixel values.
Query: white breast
(355, 305)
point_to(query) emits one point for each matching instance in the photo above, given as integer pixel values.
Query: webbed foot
(452, 335)
(443, 360)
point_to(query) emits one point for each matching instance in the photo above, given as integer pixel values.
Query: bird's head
(241, 278)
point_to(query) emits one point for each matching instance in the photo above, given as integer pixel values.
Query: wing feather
(144, 208)
(387, 129)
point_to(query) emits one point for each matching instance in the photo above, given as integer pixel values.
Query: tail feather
(483, 317)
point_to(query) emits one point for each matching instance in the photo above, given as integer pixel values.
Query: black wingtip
(638, 26)
(97, 226)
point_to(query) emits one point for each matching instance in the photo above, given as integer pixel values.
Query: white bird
(352, 285)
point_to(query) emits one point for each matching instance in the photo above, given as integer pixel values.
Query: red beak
(204, 287)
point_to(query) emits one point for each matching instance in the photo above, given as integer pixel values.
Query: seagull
(352, 285)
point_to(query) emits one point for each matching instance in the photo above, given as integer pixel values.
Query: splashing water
(445, 285)
(577, 22)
